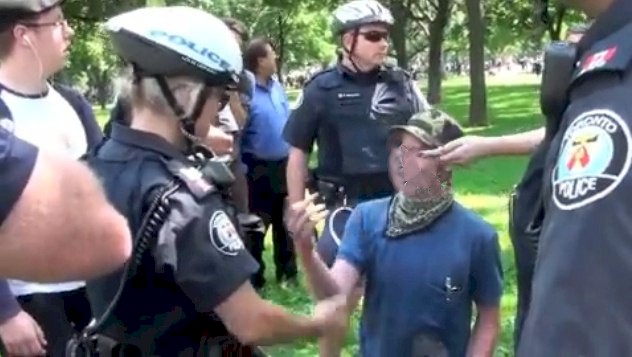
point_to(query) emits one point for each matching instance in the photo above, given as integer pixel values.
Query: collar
(268, 85)
(146, 141)
(370, 76)
(40, 95)
(618, 15)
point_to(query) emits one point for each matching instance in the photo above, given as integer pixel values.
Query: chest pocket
(362, 139)
(444, 299)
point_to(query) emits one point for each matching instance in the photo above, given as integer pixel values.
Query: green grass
(483, 186)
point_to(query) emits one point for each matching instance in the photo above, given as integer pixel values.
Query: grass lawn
(484, 187)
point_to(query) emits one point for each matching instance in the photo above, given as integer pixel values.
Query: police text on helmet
(181, 41)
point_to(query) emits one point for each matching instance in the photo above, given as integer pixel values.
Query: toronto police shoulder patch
(594, 157)
(224, 236)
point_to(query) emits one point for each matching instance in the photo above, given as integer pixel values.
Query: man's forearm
(321, 283)
(483, 339)
(272, 324)
(296, 176)
(63, 227)
(516, 144)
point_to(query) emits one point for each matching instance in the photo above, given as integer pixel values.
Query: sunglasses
(58, 23)
(375, 36)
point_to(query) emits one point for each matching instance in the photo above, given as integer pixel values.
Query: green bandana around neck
(407, 215)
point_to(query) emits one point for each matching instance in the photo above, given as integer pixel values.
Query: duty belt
(101, 346)
(348, 192)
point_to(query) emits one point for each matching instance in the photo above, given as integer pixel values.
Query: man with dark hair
(265, 154)
(54, 118)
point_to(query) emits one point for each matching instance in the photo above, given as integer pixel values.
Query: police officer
(581, 299)
(186, 290)
(347, 110)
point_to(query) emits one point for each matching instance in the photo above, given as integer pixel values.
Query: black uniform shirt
(348, 114)
(199, 259)
(17, 159)
(582, 297)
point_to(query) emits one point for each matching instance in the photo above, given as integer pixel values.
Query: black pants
(267, 193)
(59, 315)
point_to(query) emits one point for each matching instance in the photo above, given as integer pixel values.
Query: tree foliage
(300, 32)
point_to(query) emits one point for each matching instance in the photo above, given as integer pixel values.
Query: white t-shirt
(50, 123)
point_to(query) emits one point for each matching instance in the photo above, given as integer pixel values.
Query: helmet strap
(187, 123)
(354, 43)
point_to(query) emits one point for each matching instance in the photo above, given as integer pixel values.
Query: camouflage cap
(433, 127)
(12, 11)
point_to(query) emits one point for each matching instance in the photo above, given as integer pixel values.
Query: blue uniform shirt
(406, 279)
(269, 111)
(17, 159)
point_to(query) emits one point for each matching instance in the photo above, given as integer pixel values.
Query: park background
(477, 60)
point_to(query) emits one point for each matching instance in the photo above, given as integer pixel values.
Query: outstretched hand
(301, 219)
(461, 151)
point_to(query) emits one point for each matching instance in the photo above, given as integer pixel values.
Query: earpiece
(27, 40)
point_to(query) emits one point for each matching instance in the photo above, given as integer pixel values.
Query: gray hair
(147, 93)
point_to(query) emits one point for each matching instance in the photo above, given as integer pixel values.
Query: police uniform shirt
(582, 297)
(17, 159)
(198, 261)
(335, 110)
(420, 287)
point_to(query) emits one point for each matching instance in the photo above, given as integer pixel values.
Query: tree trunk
(280, 50)
(398, 32)
(435, 60)
(555, 24)
(478, 91)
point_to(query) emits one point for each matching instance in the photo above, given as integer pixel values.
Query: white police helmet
(161, 42)
(360, 12)
(177, 41)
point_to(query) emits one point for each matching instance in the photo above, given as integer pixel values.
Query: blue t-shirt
(17, 159)
(423, 283)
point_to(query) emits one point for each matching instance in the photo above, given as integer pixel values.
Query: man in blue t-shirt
(425, 258)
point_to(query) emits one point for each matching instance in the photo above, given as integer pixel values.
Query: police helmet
(177, 41)
(360, 12)
(171, 41)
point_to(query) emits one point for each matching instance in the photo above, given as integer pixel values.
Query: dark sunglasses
(58, 23)
(375, 36)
